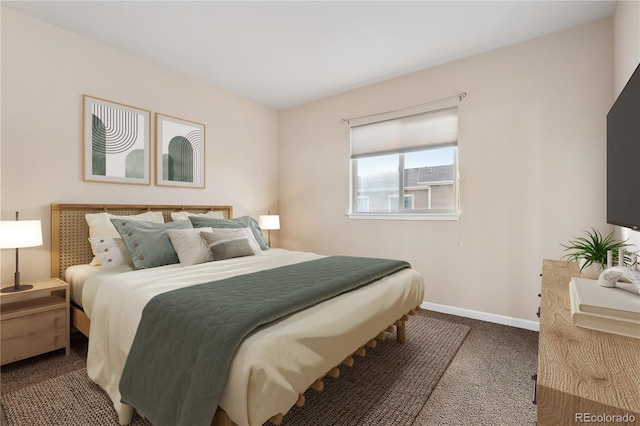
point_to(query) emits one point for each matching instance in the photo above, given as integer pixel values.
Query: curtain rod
(460, 96)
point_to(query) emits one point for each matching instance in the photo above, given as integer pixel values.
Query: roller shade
(405, 133)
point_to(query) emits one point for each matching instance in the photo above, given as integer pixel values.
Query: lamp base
(13, 289)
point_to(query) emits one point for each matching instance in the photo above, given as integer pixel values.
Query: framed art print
(179, 152)
(116, 142)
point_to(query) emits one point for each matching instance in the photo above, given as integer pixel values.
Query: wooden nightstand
(34, 321)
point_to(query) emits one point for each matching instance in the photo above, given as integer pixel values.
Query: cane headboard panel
(70, 232)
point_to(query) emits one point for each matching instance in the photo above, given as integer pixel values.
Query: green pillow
(238, 222)
(148, 242)
(228, 249)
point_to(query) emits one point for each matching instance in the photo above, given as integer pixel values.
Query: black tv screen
(623, 156)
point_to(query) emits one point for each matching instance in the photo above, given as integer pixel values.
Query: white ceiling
(287, 53)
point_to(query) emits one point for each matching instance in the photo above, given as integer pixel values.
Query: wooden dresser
(582, 373)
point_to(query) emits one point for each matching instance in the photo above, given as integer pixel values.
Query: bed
(274, 365)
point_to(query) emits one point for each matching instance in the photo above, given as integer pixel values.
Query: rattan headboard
(70, 232)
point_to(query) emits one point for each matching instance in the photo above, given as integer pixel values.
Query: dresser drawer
(33, 334)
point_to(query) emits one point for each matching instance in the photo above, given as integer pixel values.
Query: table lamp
(17, 234)
(269, 222)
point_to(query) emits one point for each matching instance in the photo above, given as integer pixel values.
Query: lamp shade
(20, 233)
(269, 221)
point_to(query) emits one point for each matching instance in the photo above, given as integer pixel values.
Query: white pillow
(176, 216)
(190, 246)
(100, 226)
(111, 251)
(218, 234)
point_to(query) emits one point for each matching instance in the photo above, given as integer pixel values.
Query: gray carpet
(489, 381)
(70, 399)
(388, 386)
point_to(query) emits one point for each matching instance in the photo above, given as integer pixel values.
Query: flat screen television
(623, 156)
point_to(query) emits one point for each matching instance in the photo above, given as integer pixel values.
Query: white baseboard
(483, 316)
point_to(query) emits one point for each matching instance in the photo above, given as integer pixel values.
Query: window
(363, 203)
(406, 167)
(394, 202)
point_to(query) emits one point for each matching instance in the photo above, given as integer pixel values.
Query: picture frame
(116, 142)
(180, 152)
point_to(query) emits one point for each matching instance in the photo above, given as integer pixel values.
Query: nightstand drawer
(33, 334)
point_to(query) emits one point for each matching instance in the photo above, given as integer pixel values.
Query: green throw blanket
(178, 363)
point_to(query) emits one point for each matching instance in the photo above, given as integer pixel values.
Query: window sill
(391, 216)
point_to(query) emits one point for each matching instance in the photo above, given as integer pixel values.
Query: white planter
(592, 271)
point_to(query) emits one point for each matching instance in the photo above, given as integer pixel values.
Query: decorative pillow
(189, 245)
(228, 249)
(100, 226)
(148, 242)
(239, 222)
(111, 251)
(219, 234)
(176, 216)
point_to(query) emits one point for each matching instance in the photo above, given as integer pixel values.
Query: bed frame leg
(221, 418)
(400, 331)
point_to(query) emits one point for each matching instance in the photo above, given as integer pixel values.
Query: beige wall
(45, 71)
(532, 146)
(626, 57)
(532, 169)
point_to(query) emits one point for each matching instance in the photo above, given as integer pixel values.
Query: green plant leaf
(594, 248)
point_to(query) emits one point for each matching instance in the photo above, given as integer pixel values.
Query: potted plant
(591, 251)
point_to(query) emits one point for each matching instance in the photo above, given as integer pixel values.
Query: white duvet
(274, 364)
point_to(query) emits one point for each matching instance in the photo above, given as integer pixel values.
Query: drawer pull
(534, 377)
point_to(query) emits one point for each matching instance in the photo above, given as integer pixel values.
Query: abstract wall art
(116, 142)
(179, 152)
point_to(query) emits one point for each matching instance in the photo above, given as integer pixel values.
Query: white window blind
(404, 134)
